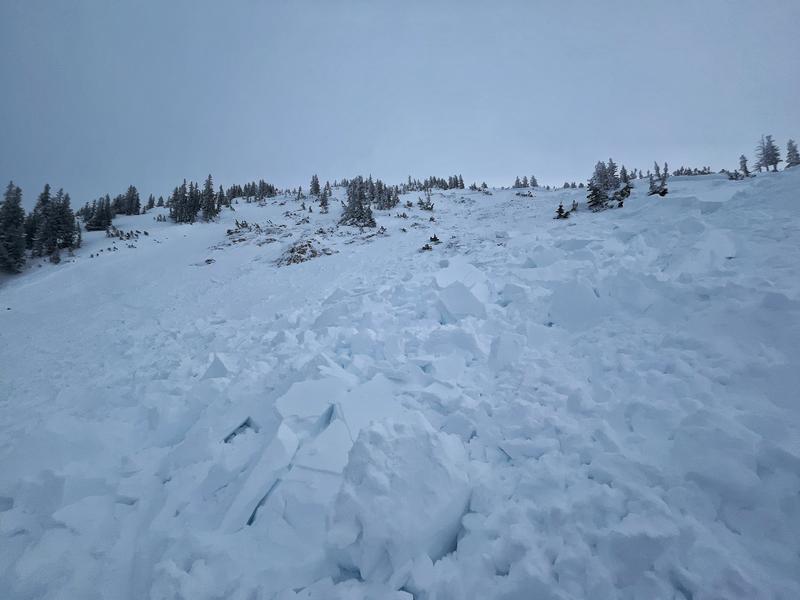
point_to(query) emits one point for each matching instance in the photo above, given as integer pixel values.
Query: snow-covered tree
(12, 230)
(597, 195)
(323, 200)
(743, 166)
(357, 211)
(792, 156)
(767, 154)
(208, 202)
(532, 181)
(314, 188)
(773, 153)
(33, 220)
(658, 183)
(605, 187)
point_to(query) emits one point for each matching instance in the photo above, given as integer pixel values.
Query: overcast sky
(99, 94)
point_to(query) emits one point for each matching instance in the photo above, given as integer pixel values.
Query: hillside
(597, 407)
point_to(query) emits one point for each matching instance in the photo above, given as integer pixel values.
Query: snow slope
(604, 407)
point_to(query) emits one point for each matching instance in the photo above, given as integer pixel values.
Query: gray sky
(99, 94)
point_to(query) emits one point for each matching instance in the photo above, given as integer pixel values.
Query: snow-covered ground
(603, 407)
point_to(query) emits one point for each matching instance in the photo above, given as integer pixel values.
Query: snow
(602, 407)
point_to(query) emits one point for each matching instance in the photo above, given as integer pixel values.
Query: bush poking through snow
(300, 252)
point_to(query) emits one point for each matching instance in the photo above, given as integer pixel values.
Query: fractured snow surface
(604, 407)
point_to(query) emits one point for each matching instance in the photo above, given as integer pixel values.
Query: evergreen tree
(101, 216)
(209, 200)
(78, 236)
(767, 154)
(792, 156)
(323, 200)
(533, 182)
(130, 204)
(221, 199)
(151, 202)
(314, 189)
(597, 196)
(517, 183)
(357, 211)
(743, 166)
(65, 224)
(761, 155)
(772, 153)
(524, 181)
(12, 230)
(33, 220)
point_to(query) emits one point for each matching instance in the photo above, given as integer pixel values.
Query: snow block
(328, 451)
(456, 301)
(576, 306)
(404, 492)
(505, 350)
(216, 369)
(309, 398)
(275, 458)
(368, 402)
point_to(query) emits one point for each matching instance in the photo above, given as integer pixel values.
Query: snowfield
(602, 407)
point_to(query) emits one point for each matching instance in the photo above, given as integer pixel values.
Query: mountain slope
(592, 408)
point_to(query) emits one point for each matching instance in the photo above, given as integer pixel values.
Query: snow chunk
(404, 492)
(371, 401)
(457, 301)
(505, 350)
(328, 451)
(576, 305)
(309, 398)
(216, 369)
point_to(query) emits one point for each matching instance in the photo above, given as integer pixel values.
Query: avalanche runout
(598, 407)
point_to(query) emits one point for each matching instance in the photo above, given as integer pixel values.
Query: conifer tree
(12, 230)
(208, 200)
(743, 166)
(357, 211)
(772, 153)
(314, 188)
(33, 220)
(597, 196)
(792, 156)
(323, 200)
(533, 183)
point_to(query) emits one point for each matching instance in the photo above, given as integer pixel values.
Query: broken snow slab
(328, 450)
(216, 369)
(370, 402)
(310, 398)
(456, 301)
(412, 473)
